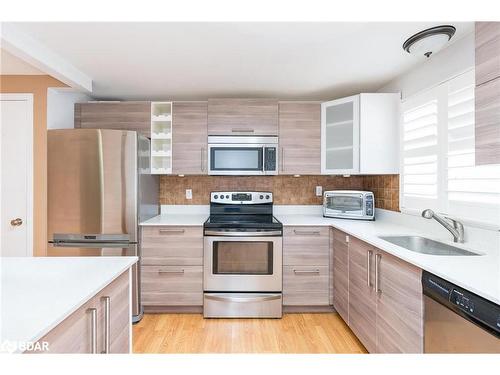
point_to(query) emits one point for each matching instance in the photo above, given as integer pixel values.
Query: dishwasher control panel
(462, 301)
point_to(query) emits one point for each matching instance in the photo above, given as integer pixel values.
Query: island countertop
(38, 293)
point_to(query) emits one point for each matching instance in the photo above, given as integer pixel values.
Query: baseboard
(173, 309)
(308, 309)
(199, 309)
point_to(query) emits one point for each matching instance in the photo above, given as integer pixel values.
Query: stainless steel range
(242, 257)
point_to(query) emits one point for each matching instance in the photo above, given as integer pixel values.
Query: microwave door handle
(264, 155)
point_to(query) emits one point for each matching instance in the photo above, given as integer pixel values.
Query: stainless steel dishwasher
(458, 321)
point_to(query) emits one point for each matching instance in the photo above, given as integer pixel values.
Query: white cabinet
(359, 135)
(161, 137)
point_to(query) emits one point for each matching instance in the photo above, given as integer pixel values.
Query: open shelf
(161, 137)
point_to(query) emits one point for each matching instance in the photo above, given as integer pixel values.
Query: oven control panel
(238, 197)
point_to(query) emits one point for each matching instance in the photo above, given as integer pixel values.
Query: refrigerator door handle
(93, 245)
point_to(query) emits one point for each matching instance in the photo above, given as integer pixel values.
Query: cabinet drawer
(171, 245)
(305, 285)
(172, 285)
(306, 246)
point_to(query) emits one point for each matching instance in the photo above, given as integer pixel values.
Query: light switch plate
(319, 191)
(189, 194)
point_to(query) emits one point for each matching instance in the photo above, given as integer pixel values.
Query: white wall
(60, 107)
(447, 63)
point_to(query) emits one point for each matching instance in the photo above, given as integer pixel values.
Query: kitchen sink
(426, 246)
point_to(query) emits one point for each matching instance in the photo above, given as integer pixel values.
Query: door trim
(28, 98)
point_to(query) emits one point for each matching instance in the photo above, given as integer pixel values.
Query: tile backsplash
(287, 190)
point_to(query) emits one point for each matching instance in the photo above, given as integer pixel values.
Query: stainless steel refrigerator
(99, 189)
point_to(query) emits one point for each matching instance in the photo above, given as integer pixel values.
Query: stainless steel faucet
(456, 228)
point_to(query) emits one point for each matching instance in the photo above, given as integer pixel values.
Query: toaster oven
(349, 204)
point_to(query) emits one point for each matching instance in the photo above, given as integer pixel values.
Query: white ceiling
(183, 61)
(12, 65)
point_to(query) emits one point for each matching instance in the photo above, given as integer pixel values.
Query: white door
(340, 136)
(16, 175)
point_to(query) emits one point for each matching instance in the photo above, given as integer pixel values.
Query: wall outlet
(189, 194)
(319, 191)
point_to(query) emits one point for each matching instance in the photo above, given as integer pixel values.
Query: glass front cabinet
(359, 135)
(340, 136)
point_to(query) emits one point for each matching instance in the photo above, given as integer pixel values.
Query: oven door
(344, 205)
(242, 264)
(236, 159)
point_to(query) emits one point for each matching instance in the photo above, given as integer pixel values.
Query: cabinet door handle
(202, 158)
(282, 159)
(107, 324)
(242, 130)
(378, 257)
(93, 330)
(171, 231)
(306, 233)
(303, 272)
(368, 267)
(171, 272)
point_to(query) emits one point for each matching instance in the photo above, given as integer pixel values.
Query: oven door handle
(242, 234)
(233, 298)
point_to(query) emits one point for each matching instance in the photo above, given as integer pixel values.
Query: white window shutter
(438, 169)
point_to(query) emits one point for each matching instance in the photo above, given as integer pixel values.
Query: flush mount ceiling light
(429, 41)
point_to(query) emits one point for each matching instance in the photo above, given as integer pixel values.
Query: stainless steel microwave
(349, 204)
(242, 155)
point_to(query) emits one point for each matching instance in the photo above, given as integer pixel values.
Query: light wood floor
(294, 333)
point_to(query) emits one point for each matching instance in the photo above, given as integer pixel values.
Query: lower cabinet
(306, 271)
(400, 306)
(172, 266)
(385, 300)
(172, 285)
(102, 325)
(340, 274)
(362, 296)
(305, 286)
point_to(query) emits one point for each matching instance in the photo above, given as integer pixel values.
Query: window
(437, 155)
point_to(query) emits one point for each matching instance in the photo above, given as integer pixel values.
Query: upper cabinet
(114, 115)
(190, 138)
(242, 117)
(359, 135)
(299, 138)
(487, 51)
(487, 93)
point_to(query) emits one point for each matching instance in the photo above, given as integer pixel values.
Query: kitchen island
(66, 304)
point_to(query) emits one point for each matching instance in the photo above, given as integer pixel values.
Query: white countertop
(176, 219)
(38, 293)
(478, 274)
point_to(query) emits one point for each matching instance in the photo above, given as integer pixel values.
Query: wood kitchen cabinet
(299, 138)
(362, 296)
(487, 93)
(190, 137)
(340, 274)
(487, 51)
(385, 300)
(172, 266)
(306, 252)
(76, 334)
(400, 306)
(114, 115)
(243, 117)
(172, 285)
